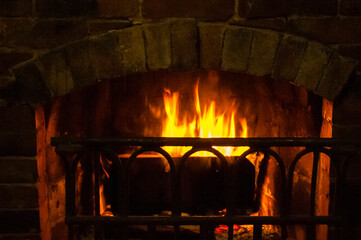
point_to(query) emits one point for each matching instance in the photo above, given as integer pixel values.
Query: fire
(207, 122)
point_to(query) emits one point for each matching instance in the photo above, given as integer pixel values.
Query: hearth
(108, 182)
(85, 92)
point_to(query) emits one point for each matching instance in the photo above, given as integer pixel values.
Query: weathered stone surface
(314, 60)
(105, 55)
(49, 33)
(16, 31)
(6, 80)
(117, 53)
(18, 118)
(350, 7)
(346, 131)
(101, 26)
(18, 170)
(263, 52)
(40, 33)
(313, 8)
(288, 58)
(56, 72)
(336, 74)
(268, 23)
(82, 70)
(236, 48)
(18, 195)
(18, 143)
(25, 221)
(31, 84)
(63, 8)
(117, 8)
(262, 8)
(211, 42)
(157, 45)
(9, 58)
(184, 44)
(15, 8)
(131, 46)
(327, 29)
(347, 112)
(209, 10)
(352, 51)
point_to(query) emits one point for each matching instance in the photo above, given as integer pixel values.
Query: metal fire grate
(73, 149)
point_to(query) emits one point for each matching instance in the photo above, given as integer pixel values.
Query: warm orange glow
(206, 122)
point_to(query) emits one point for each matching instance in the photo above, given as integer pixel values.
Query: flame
(205, 123)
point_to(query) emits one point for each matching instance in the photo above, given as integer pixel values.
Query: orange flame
(205, 124)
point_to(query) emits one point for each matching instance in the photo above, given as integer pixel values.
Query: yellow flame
(205, 124)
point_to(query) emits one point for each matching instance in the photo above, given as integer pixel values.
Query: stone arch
(182, 45)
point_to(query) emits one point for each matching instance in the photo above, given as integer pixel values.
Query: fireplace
(69, 84)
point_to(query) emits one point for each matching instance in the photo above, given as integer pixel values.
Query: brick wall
(31, 27)
(28, 27)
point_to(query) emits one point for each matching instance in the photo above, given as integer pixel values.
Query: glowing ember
(207, 122)
(243, 232)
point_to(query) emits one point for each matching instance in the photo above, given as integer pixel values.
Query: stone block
(9, 58)
(184, 44)
(117, 8)
(56, 72)
(18, 118)
(353, 167)
(288, 58)
(236, 48)
(6, 81)
(19, 195)
(263, 52)
(131, 46)
(157, 45)
(278, 24)
(20, 221)
(18, 143)
(102, 26)
(18, 170)
(313, 8)
(49, 33)
(63, 8)
(347, 111)
(15, 8)
(346, 131)
(210, 45)
(336, 75)
(30, 84)
(350, 7)
(314, 60)
(262, 8)
(327, 29)
(16, 31)
(352, 51)
(77, 56)
(209, 10)
(105, 55)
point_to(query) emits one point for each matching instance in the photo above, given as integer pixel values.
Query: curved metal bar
(224, 169)
(292, 169)
(282, 168)
(172, 172)
(235, 175)
(70, 169)
(113, 157)
(279, 163)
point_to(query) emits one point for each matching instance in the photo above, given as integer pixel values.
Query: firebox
(184, 146)
(110, 108)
